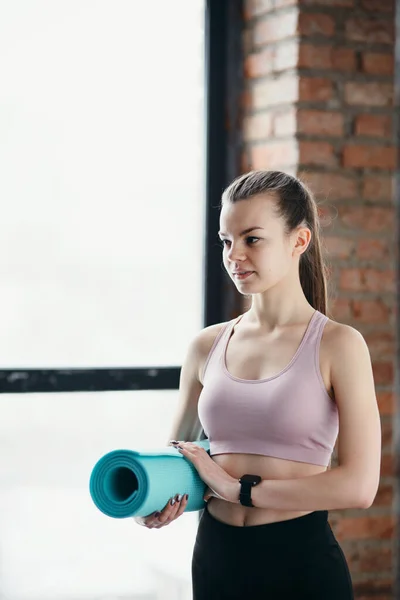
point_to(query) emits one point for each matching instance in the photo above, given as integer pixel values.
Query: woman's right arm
(186, 425)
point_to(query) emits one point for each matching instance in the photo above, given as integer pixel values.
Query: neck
(279, 306)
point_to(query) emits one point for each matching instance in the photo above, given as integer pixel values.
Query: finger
(168, 511)
(157, 524)
(152, 519)
(183, 505)
(175, 509)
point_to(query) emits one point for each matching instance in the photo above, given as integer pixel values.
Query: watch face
(253, 479)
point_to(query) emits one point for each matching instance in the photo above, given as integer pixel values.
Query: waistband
(304, 528)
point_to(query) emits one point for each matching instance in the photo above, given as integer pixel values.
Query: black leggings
(297, 559)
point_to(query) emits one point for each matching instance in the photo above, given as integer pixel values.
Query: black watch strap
(247, 482)
(245, 494)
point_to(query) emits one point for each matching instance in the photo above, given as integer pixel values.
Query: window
(101, 114)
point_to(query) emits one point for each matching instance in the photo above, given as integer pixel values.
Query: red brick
(374, 590)
(274, 155)
(384, 496)
(314, 57)
(259, 63)
(257, 127)
(378, 187)
(367, 558)
(367, 280)
(370, 311)
(340, 309)
(381, 527)
(316, 24)
(361, 312)
(385, 591)
(374, 125)
(383, 373)
(387, 432)
(331, 186)
(275, 28)
(343, 59)
(370, 30)
(374, 157)
(376, 5)
(375, 63)
(326, 57)
(320, 122)
(371, 249)
(367, 218)
(387, 465)
(285, 123)
(386, 403)
(368, 94)
(283, 90)
(339, 247)
(315, 89)
(316, 153)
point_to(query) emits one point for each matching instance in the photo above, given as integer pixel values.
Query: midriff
(268, 468)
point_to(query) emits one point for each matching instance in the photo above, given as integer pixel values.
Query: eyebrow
(243, 232)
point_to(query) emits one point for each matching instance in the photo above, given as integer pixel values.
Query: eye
(247, 240)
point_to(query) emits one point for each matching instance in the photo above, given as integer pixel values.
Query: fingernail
(187, 496)
(179, 498)
(172, 501)
(157, 514)
(173, 442)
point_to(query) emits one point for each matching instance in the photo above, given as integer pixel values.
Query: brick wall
(318, 102)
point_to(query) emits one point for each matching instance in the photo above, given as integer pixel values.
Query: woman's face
(266, 251)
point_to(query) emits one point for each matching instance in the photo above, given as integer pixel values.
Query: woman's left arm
(354, 482)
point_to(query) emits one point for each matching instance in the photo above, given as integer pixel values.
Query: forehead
(259, 210)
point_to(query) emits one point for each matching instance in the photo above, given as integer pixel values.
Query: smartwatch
(246, 483)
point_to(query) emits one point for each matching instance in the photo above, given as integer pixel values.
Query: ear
(301, 240)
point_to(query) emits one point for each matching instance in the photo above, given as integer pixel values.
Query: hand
(168, 514)
(220, 484)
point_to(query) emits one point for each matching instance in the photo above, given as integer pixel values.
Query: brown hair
(296, 204)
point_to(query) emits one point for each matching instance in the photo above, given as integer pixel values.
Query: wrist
(234, 491)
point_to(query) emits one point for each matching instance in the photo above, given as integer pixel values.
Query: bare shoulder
(341, 342)
(207, 336)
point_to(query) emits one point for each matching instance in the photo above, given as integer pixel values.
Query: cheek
(276, 261)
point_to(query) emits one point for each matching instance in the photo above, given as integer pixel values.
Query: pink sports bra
(289, 415)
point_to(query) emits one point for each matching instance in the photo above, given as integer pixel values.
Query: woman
(274, 390)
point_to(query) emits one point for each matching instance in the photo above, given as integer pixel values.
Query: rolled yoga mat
(129, 483)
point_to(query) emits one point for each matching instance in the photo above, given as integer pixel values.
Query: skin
(277, 320)
(277, 298)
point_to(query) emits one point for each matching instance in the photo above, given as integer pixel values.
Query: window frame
(223, 72)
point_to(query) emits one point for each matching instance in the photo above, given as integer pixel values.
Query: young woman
(274, 389)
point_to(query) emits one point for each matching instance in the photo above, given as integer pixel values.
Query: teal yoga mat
(129, 483)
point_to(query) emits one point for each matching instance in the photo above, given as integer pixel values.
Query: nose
(235, 253)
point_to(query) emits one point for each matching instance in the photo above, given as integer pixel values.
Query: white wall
(101, 187)
(54, 543)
